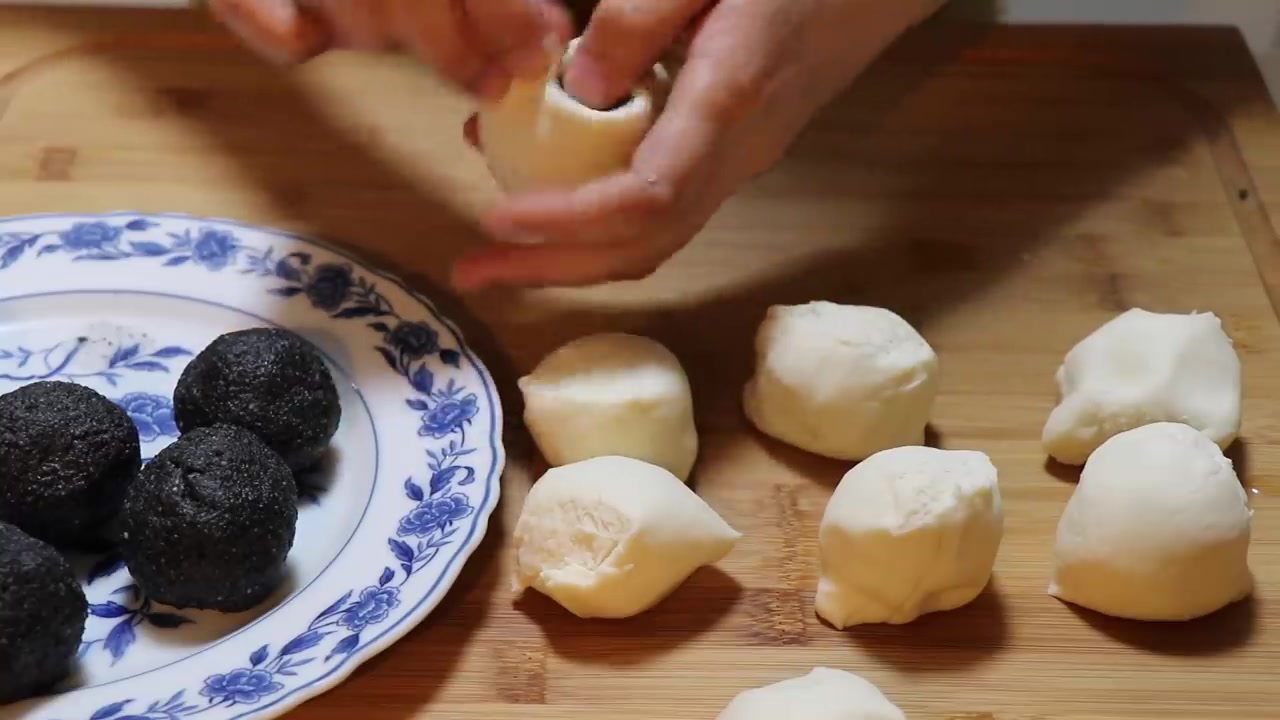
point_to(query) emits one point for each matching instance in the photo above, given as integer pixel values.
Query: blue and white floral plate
(120, 303)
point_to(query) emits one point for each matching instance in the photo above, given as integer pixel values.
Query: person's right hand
(479, 45)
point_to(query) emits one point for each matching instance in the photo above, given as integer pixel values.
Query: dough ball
(42, 615)
(909, 531)
(612, 536)
(538, 137)
(612, 394)
(67, 455)
(1144, 367)
(843, 381)
(823, 694)
(210, 521)
(269, 381)
(1157, 529)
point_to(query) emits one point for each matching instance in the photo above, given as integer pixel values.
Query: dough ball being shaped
(612, 394)
(67, 456)
(210, 521)
(823, 694)
(538, 137)
(1157, 529)
(844, 381)
(610, 537)
(1144, 367)
(42, 615)
(269, 381)
(908, 531)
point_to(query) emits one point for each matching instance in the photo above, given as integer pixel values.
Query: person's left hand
(755, 72)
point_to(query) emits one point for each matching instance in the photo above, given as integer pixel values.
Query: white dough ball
(1144, 367)
(823, 694)
(908, 531)
(538, 137)
(612, 394)
(843, 381)
(611, 537)
(1157, 529)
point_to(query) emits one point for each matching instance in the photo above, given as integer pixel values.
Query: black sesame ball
(42, 614)
(266, 380)
(210, 521)
(67, 455)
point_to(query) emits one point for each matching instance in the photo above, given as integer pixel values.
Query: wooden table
(1007, 190)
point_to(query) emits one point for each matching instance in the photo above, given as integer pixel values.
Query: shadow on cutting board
(943, 641)
(694, 608)
(1221, 632)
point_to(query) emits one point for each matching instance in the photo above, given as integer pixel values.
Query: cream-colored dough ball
(538, 137)
(611, 537)
(1157, 529)
(1143, 367)
(823, 694)
(908, 531)
(612, 394)
(843, 381)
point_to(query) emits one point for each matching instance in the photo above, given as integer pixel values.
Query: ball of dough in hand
(612, 394)
(841, 381)
(538, 137)
(611, 537)
(908, 531)
(823, 694)
(1144, 367)
(1157, 529)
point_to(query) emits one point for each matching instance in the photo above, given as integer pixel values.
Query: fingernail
(471, 132)
(586, 81)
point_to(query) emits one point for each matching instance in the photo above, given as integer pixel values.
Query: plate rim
(419, 613)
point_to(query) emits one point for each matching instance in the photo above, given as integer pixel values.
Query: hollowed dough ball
(538, 137)
(841, 381)
(1144, 367)
(1157, 529)
(612, 394)
(611, 537)
(823, 694)
(908, 531)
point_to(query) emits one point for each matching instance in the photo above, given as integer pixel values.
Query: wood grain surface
(1006, 190)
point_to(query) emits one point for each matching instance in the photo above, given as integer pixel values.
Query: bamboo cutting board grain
(1005, 190)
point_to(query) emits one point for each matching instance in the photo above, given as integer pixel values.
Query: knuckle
(737, 96)
(660, 195)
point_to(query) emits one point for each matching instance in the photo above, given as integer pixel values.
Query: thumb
(622, 41)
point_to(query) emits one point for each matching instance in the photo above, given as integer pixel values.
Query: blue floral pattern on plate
(424, 525)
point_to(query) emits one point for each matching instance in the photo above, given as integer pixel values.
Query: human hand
(479, 45)
(755, 72)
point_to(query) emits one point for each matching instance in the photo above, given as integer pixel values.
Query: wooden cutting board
(1007, 190)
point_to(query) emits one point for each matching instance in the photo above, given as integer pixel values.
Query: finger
(531, 266)
(613, 209)
(275, 29)
(361, 25)
(622, 41)
(516, 32)
(673, 171)
(437, 32)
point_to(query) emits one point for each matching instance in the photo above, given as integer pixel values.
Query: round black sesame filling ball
(210, 521)
(42, 615)
(266, 380)
(67, 455)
